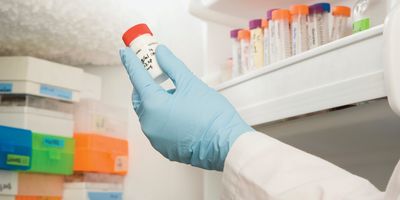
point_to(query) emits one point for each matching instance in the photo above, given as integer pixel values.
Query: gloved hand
(191, 124)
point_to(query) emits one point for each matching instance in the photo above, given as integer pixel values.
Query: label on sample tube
(257, 48)
(17, 160)
(105, 195)
(6, 87)
(55, 92)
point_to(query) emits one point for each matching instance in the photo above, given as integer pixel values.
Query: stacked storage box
(101, 153)
(36, 105)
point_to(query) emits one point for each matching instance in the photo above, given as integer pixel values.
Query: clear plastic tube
(341, 14)
(281, 20)
(266, 42)
(236, 53)
(299, 30)
(339, 27)
(318, 26)
(244, 37)
(369, 13)
(271, 38)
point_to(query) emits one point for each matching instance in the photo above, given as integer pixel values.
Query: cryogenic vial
(281, 20)
(235, 53)
(244, 38)
(140, 39)
(264, 26)
(299, 28)
(271, 40)
(339, 26)
(318, 24)
(368, 13)
(256, 44)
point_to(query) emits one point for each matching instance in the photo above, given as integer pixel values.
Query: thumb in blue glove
(191, 124)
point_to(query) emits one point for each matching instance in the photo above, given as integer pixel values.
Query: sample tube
(140, 39)
(299, 30)
(256, 44)
(341, 14)
(281, 20)
(265, 27)
(235, 53)
(318, 24)
(244, 38)
(271, 39)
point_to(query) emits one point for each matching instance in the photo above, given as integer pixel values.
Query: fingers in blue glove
(140, 78)
(175, 69)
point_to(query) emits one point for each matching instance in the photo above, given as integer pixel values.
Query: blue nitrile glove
(193, 124)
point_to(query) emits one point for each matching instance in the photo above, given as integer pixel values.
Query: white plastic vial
(299, 30)
(341, 14)
(318, 24)
(236, 53)
(265, 27)
(281, 20)
(256, 44)
(368, 13)
(244, 38)
(140, 39)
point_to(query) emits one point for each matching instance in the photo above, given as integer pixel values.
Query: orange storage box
(37, 198)
(100, 154)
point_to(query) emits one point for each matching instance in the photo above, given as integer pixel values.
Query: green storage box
(52, 154)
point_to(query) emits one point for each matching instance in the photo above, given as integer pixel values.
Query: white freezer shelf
(343, 72)
(237, 13)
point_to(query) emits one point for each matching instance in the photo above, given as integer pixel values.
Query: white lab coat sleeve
(259, 167)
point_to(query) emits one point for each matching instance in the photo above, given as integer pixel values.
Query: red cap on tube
(134, 32)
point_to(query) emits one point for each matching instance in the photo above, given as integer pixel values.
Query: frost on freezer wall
(81, 32)
(88, 32)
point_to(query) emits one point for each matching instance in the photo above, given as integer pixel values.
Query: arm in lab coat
(260, 167)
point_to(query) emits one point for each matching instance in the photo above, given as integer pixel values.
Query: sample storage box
(93, 191)
(98, 153)
(52, 154)
(95, 117)
(7, 197)
(45, 185)
(37, 198)
(27, 75)
(95, 178)
(15, 148)
(38, 120)
(8, 183)
(91, 89)
(26, 100)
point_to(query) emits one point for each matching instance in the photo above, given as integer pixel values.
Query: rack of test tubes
(57, 140)
(283, 33)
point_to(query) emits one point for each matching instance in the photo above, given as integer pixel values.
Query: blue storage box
(15, 148)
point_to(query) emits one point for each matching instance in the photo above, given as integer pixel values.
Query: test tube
(340, 16)
(318, 24)
(271, 39)
(256, 44)
(299, 30)
(281, 19)
(265, 27)
(235, 53)
(244, 38)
